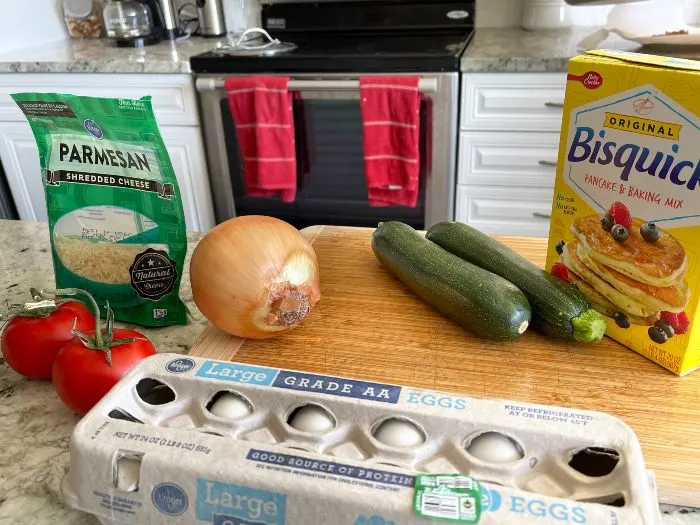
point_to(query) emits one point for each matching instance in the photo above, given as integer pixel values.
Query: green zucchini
(558, 309)
(479, 301)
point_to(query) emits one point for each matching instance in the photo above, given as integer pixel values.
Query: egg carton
(188, 440)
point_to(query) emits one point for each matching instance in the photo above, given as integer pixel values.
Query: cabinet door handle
(547, 163)
(549, 104)
(542, 215)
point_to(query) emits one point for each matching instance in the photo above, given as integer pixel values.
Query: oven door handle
(425, 85)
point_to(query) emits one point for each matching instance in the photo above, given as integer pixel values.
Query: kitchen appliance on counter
(325, 47)
(138, 23)
(211, 18)
(546, 14)
(670, 23)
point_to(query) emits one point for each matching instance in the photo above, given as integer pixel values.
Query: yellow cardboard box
(631, 136)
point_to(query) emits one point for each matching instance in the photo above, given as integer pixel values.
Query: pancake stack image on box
(635, 277)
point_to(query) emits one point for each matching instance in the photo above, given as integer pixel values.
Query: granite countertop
(94, 56)
(35, 427)
(491, 50)
(517, 50)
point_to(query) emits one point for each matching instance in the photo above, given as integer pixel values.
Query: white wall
(508, 13)
(29, 23)
(498, 13)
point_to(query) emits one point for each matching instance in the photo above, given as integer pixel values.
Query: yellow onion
(255, 276)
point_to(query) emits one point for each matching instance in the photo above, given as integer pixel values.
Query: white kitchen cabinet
(186, 152)
(20, 159)
(521, 211)
(172, 96)
(176, 112)
(513, 101)
(508, 158)
(508, 149)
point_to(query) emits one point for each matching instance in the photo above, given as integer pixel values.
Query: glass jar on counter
(83, 18)
(127, 19)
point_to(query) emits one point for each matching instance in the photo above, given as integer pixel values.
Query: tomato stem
(103, 339)
(72, 292)
(41, 307)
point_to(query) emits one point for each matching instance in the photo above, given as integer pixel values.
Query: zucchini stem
(589, 326)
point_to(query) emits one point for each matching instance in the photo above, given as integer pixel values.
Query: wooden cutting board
(370, 326)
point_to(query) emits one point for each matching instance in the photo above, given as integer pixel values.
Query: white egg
(230, 406)
(493, 447)
(311, 418)
(128, 474)
(399, 433)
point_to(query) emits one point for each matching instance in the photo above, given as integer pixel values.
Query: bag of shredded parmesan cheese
(115, 216)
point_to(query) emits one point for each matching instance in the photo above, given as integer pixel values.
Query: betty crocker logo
(590, 79)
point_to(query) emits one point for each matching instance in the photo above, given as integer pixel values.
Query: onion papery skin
(255, 276)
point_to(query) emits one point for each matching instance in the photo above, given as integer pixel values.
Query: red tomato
(81, 376)
(30, 344)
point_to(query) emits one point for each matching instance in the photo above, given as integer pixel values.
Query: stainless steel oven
(325, 48)
(331, 181)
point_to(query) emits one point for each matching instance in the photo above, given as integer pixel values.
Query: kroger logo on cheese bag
(626, 205)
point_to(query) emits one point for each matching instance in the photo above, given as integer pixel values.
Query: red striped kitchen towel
(262, 112)
(390, 117)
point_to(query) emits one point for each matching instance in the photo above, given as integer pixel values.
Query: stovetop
(342, 36)
(396, 52)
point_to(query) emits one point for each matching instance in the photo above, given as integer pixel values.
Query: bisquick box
(152, 452)
(630, 134)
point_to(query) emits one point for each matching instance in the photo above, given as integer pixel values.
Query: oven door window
(331, 187)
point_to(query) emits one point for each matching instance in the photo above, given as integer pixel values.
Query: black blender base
(140, 41)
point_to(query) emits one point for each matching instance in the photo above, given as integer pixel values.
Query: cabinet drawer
(173, 96)
(513, 101)
(495, 158)
(505, 210)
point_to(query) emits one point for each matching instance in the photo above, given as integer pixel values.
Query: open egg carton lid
(187, 440)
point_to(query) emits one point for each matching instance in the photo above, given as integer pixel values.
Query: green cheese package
(115, 215)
